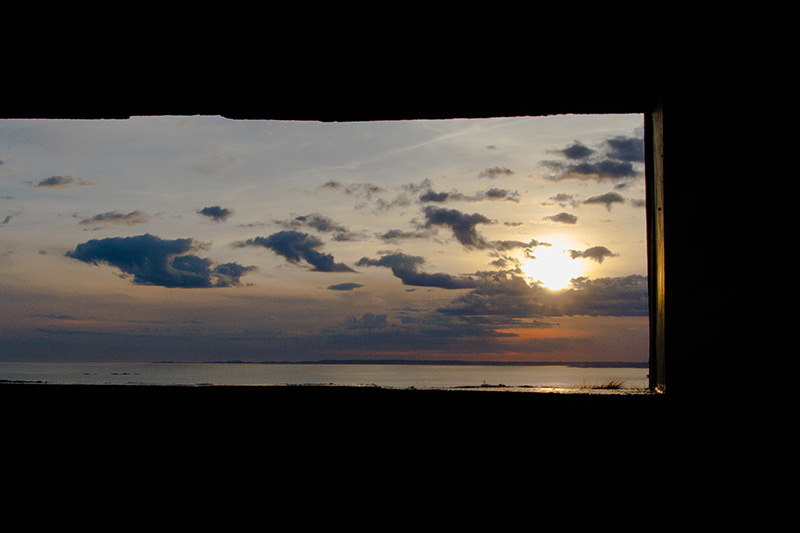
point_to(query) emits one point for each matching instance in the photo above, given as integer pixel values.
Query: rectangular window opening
(497, 254)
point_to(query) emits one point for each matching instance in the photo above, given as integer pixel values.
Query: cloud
(606, 169)
(216, 213)
(394, 235)
(296, 246)
(322, 224)
(488, 194)
(358, 189)
(53, 316)
(617, 159)
(577, 151)
(344, 287)
(495, 172)
(626, 148)
(463, 227)
(500, 194)
(462, 224)
(63, 182)
(624, 296)
(152, 260)
(367, 192)
(563, 218)
(367, 321)
(8, 218)
(595, 253)
(228, 274)
(115, 217)
(374, 335)
(607, 199)
(563, 200)
(407, 194)
(511, 245)
(504, 295)
(599, 170)
(406, 268)
(432, 196)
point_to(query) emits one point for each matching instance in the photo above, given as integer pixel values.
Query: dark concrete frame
(436, 78)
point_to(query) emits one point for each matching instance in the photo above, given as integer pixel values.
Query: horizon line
(433, 362)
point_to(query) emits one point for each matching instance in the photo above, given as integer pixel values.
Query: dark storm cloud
(406, 268)
(228, 274)
(63, 182)
(626, 148)
(344, 287)
(618, 160)
(296, 246)
(595, 253)
(606, 199)
(322, 224)
(503, 295)
(625, 296)
(563, 218)
(155, 261)
(216, 213)
(432, 196)
(495, 172)
(606, 169)
(374, 334)
(115, 217)
(577, 151)
(462, 224)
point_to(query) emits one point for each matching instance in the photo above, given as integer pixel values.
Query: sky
(200, 238)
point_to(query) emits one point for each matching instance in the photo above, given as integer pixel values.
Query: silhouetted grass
(609, 384)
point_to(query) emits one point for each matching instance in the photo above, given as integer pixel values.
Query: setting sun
(552, 266)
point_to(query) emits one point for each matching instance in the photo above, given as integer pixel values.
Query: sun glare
(552, 267)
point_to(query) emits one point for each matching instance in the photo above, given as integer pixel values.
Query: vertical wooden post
(654, 170)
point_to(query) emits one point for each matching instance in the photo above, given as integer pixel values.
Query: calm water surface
(395, 376)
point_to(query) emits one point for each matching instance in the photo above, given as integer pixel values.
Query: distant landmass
(579, 364)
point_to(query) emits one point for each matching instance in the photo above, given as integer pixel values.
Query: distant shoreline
(578, 364)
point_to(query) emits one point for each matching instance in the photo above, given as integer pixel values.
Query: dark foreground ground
(217, 455)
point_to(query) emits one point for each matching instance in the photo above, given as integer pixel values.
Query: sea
(630, 378)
